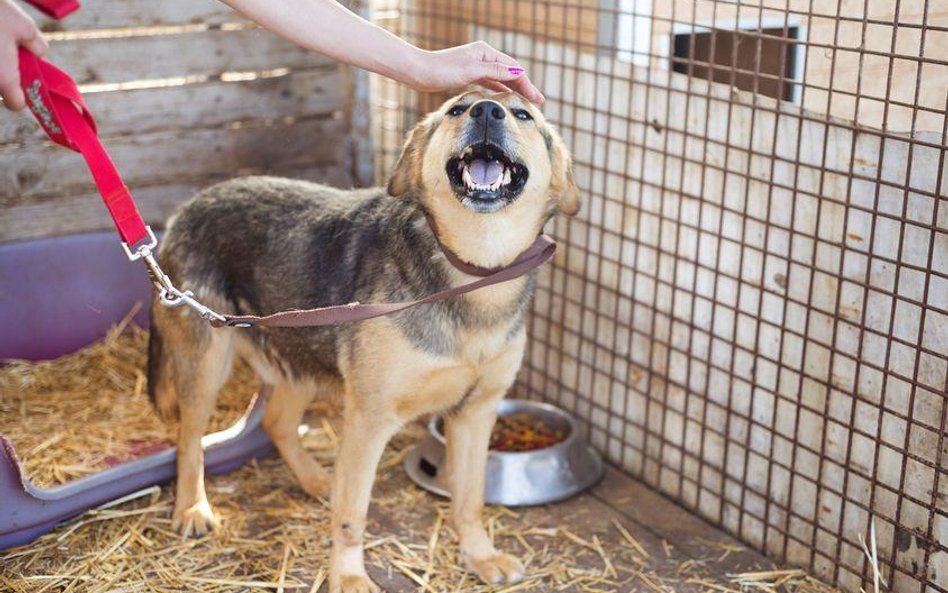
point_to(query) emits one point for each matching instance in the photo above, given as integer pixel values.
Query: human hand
(476, 62)
(16, 28)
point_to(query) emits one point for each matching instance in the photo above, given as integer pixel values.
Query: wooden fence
(186, 93)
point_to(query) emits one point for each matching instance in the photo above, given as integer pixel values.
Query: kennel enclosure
(750, 313)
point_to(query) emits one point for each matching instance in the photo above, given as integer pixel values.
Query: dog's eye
(457, 110)
(522, 114)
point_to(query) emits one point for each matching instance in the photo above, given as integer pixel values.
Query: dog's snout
(488, 110)
(488, 124)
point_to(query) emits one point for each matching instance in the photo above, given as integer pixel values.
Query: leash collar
(467, 267)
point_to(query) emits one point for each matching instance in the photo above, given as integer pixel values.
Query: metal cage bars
(748, 316)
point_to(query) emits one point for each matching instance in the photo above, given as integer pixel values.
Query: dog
(477, 178)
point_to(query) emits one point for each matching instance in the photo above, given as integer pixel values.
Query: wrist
(411, 67)
(390, 56)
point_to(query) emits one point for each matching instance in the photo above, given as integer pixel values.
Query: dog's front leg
(364, 436)
(468, 438)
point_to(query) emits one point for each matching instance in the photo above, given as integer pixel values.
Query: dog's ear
(562, 184)
(407, 172)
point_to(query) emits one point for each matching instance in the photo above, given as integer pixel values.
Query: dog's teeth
(466, 177)
(506, 178)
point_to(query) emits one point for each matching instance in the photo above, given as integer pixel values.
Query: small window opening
(771, 56)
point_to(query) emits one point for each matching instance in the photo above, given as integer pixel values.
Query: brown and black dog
(489, 172)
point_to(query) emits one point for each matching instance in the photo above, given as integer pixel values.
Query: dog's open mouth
(485, 178)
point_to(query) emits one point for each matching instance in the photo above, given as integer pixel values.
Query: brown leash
(536, 255)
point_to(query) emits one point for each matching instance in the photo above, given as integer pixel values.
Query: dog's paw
(195, 520)
(497, 569)
(316, 483)
(354, 583)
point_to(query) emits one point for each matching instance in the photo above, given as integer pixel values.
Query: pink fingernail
(515, 70)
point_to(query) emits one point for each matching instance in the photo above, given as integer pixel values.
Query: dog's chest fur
(260, 245)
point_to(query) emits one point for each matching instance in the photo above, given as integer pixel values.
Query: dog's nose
(488, 110)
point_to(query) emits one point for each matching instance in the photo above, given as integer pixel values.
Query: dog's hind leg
(202, 362)
(284, 412)
(161, 389)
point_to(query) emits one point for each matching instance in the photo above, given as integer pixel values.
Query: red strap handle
(55, 8)
(56, 103)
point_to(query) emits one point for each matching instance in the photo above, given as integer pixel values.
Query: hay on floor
(85, 411)
(89, 410)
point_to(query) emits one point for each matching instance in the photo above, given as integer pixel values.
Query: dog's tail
(161, 389)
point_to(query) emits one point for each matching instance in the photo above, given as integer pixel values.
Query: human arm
(327, 27)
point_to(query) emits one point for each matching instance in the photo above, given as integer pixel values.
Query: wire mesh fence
(751, 312)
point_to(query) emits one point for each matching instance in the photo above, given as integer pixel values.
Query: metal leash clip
(168, 294)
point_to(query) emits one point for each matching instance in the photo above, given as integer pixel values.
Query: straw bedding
(89, 410)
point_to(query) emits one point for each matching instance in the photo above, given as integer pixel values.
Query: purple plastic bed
(57, 295)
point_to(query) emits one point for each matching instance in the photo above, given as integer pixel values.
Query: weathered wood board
(155, 202)
(297, 93)
(136, 14)
(185, 94)
(178, 54)
(37, 173)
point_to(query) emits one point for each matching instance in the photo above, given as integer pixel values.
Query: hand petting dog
(477, 179)
(331, 29)
(474, 63)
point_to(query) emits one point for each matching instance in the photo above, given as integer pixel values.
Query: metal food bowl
(522, 478)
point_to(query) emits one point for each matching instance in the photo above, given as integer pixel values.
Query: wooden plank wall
(564, 22)
(741, 312)
(186, 93)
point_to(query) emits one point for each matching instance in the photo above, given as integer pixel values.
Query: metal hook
(168, 294)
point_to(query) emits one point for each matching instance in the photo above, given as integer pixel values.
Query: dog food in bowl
(537, 456)
(523, 432)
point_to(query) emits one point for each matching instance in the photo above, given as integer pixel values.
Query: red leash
(57, 105)
(57, 9)
(55, 101)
